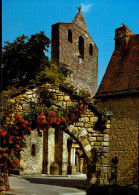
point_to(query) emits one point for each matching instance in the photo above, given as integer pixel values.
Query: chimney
(122, 36)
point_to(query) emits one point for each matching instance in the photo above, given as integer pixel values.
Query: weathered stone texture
(33, 164)
(52, 146)
(84, 71)
(123, 135)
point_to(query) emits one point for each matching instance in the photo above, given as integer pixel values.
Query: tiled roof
(122, 73)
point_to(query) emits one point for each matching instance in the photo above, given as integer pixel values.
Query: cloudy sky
(102, 18)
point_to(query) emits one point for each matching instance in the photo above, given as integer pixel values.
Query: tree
(23, 58)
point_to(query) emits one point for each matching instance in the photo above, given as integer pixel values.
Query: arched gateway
(80, 146)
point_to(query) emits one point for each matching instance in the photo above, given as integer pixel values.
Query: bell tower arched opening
(81, 47)
(69, 36)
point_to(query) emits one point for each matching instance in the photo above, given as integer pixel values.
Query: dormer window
(69, 36)
(91, 49)
(81, 47)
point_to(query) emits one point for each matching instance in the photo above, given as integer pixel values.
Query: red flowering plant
(12, 142)
(12, 137)
(45, 118)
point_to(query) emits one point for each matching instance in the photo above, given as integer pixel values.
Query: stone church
(103, 143)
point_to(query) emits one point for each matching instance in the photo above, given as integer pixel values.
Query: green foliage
(64, 69)
(52, 74)
(6, 104)
(23, 58)
(24, 62)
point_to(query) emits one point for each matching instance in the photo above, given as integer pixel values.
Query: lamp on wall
(109, 114)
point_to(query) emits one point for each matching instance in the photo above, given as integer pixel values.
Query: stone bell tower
(73, 46)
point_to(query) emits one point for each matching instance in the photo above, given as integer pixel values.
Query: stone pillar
(81, 162)
(49, 150)
(58, 148)
(65, 154)
(21, 172)
(72, 157)
(77, 163)
(72, 164)
(69, 159)
(98, 171)
(61, 151)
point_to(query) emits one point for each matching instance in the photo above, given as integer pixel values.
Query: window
(69, 36)
(81, 47)
(91, 49)
(33, 150)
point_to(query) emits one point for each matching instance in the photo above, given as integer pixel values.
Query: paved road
(34, 185)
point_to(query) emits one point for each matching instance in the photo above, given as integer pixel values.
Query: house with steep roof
(118, 97)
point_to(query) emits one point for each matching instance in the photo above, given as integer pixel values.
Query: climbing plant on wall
(12, 136)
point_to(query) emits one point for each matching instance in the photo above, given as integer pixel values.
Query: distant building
(118, 94)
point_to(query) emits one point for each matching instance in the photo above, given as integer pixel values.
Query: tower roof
(79, 21)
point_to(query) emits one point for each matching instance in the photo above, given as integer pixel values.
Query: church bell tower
(72, 45)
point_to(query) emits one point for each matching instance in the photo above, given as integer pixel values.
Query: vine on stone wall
(12, 136)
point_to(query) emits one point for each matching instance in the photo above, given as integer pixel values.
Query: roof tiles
(122, 73)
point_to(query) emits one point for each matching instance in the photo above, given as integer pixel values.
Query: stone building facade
(118, 96)
(73, 46)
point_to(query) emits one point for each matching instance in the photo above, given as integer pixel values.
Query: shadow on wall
(114, 171)
(134, 167)
(114, 188)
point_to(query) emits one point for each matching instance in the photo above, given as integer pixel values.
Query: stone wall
(95, 145)
(32, 163)
(84, 71)
(123, 136)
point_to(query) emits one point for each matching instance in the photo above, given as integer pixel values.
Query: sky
(102, 17)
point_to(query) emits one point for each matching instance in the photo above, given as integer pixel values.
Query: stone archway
(93, 142)
(91, 132)
(95, 148)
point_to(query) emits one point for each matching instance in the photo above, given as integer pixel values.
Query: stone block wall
(32, 163)
(123, 136)
(84, 71)
(95, 144)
